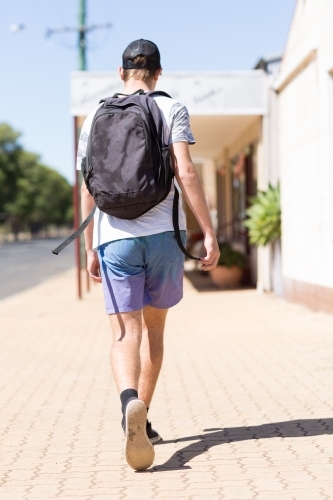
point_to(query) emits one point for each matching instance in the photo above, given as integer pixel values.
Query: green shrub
(31, 194)
(230, 257)
(264, 217)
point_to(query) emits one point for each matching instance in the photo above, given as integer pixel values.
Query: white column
(228, 194)
(264, 253)
(209, 182)
(210, 188)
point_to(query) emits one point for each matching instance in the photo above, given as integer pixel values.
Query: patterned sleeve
(82, 146)
(180, 125)
(83, 140)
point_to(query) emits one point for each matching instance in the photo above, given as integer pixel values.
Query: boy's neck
(132, 86)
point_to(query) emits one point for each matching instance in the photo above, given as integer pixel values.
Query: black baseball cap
(142, 48)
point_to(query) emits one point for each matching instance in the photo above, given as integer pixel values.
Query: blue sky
(34, 84)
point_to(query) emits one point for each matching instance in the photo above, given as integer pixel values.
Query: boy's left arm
(87, 204)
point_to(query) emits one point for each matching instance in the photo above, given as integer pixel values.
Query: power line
(82, 29)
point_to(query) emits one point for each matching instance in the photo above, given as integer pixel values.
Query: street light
(14, 28)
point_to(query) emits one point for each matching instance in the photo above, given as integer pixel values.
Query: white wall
(305, 145)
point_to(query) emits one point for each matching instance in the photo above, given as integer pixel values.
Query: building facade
(304, 90)
(269, 125)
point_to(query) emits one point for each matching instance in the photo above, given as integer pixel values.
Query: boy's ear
(121, 73)
(158, 73)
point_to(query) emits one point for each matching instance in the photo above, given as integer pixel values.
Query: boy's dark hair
(143, 74)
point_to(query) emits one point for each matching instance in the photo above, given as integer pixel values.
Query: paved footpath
(244, 402)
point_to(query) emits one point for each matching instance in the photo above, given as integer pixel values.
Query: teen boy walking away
(139, 262)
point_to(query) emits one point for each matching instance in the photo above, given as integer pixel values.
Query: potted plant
(264, 217)
(264, 224)
(229, 270)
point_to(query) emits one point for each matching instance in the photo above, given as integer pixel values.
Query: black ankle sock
(125, 396)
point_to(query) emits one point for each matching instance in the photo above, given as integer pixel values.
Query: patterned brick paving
(244, 403)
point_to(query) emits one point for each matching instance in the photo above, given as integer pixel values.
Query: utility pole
(82, 36)
(82, 29)
(79, 250)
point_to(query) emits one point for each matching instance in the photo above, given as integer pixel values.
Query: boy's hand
(211, 249)
(93, 266)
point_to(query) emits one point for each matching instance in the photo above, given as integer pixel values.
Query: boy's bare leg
(138, 334)
(126, 365)
(151, 351)
(125, 353)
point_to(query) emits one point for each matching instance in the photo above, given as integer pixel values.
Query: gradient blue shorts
(142, 271)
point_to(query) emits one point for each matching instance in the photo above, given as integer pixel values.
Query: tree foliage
(264, 220)
(32, 195)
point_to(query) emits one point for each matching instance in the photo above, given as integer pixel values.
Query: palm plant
(264, 217)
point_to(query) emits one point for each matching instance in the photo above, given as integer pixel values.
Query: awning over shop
(225, 93)
(221, 105)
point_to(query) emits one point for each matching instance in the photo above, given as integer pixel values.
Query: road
(24, 264)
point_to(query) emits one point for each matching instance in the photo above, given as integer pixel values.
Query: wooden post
(77, 215)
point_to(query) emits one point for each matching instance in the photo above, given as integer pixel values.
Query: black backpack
(128, 168)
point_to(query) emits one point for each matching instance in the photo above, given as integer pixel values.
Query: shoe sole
(139, 451)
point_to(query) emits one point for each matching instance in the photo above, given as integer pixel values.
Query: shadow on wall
(218, 436)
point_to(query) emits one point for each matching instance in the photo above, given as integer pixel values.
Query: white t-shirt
(159, 219)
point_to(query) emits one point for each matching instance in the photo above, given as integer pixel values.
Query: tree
(10, 151)
(32, 195)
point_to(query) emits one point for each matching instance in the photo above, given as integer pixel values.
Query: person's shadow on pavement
(219, 436)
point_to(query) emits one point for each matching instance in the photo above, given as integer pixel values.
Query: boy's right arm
(192, 190)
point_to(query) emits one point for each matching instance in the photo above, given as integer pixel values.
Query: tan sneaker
(139, 451)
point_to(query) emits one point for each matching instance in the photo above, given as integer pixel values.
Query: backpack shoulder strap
(77, 233)
(155, 112)
(158, 92)
(175, 220)
(117, 94)
(137, 92)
